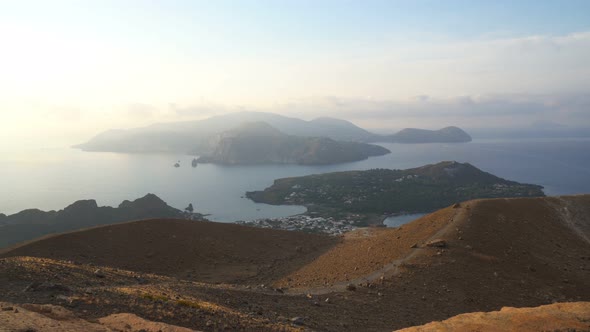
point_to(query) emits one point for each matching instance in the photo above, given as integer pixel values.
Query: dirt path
(390, 270)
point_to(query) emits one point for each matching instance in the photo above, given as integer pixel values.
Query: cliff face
(259, 143)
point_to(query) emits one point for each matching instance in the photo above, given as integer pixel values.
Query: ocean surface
(51, 179)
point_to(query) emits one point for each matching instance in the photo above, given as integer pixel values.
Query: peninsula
(369, 196)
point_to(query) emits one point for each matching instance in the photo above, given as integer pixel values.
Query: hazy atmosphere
(71, 69)
(295, 165)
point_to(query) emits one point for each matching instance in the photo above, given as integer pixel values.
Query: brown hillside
(478, 256)
(203, 251)
(554, 317)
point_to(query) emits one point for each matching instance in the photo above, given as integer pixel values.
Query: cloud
(510, 110)
(199, 110)
(63, 114)
(141, 111)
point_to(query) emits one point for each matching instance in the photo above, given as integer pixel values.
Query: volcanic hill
(478, 255)
(260, 143)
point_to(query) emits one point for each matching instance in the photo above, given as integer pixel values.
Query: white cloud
(511, 110)
(99, 85)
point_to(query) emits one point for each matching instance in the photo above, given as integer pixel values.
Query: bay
(54, 178)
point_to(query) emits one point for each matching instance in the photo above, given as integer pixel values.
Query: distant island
(260, 143)
(32, 223)
(194, 137)
(444, 135)
(368, 196)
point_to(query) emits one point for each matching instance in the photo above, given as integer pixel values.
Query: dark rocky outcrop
(32, 223)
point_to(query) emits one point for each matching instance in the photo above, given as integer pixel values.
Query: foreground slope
(204, 251)
(554, 317)
(531, 244)
(476, 256)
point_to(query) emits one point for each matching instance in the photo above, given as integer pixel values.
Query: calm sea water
(397, 221)
(54, 178)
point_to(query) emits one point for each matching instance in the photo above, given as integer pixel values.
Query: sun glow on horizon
(70, 68)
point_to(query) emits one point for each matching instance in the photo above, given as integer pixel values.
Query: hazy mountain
(195, 136)
(260, 143)
(32, 223)
(444, 135)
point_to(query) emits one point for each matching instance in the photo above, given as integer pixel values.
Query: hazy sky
(69, 69)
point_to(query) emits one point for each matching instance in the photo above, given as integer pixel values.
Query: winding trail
(390, 270)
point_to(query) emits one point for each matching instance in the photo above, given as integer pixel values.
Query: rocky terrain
(260, 143)
(476, 256)
(52, 318)
(572, 316)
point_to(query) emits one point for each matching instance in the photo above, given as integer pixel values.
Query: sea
(51, 179)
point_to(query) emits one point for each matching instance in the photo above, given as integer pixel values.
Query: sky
(70, 69)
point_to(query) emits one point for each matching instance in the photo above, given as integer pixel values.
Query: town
(305, 223)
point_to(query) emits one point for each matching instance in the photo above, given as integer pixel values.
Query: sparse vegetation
(154, 297)
(187, 303)
(385, 191)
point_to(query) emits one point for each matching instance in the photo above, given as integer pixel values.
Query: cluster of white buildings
(304, 223)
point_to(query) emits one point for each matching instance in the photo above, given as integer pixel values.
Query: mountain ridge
(31, 223)
(260, 143)
(192, 136)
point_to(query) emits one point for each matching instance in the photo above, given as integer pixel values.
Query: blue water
(397, 221)
(52, 179)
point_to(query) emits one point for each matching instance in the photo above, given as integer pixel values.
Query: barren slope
(203, 251)
(493, 254)
(554, 317)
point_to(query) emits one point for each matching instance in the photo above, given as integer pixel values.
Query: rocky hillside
(32, 223)
(573, 316)
(259, 143)
(476, 256)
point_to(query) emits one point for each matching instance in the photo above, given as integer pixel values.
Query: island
(362, 198)
(194, 137)
(260, 143)
(445, 135)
